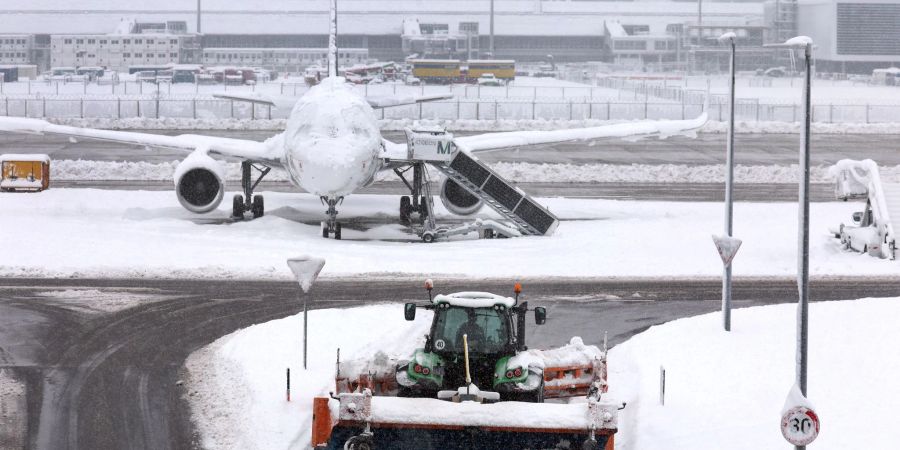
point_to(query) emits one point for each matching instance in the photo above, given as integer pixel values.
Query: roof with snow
(474, 300)
(367, 17)
(37, 157)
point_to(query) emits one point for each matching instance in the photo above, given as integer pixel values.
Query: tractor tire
(360, 442)
(237, 206)
(428, 237)
(259, 206)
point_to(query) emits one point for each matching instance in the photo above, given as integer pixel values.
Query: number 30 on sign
(800, 425)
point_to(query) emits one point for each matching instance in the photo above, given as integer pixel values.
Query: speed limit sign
(800, 425)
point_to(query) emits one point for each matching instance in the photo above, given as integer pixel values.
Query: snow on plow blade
(425, 423)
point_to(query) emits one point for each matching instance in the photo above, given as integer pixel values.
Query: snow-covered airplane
(332, 147)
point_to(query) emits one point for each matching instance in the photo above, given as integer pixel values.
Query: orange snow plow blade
(358, 419)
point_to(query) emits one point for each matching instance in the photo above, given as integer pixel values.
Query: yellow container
(24, 172)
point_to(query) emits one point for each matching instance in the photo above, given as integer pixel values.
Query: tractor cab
(485, 331)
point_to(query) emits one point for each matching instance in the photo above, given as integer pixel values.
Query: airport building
(851, 35)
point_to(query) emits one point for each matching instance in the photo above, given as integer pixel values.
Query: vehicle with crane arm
(474, 384)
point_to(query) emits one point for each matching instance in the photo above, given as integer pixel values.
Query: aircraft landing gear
(418, 200)
(249, 202)
(331, 226)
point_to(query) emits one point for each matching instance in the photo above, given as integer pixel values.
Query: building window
(173, 55)
(149, 42)
(102, 41)
(92, 41)
(138, 41)
(138, 55)
(173, 41)
(126, 55)
(114, 42)
(79, 41)
(67, 41)
(126, 41)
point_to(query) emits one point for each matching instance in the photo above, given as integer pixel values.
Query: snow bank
(723, 390)
(97, 233)
(466, 125)
(520, 172)
(236, 385)
(726, 390)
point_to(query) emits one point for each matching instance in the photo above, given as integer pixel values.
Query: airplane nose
(332, 167)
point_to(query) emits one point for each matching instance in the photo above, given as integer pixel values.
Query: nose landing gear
(331, 226)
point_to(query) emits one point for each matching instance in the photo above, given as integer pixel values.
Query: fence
(612, 99)
(455, 109)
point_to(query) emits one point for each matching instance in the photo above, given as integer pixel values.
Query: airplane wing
(262, 152)
(276, 101)
(285, 102)
(388, 101)
(661, 128)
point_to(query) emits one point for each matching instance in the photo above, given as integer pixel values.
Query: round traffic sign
(800, 425)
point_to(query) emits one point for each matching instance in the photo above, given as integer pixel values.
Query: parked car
(145, 76)
(413, 81)
(489, 79)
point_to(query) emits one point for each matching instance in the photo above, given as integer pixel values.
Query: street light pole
(729, 182)
(491, 42)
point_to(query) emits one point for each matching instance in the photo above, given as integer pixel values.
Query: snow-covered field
(723, 390)
(106, 233)
(521, 172)
(276, 125)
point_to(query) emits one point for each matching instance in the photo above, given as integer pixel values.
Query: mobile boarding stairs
(522, 215)
(875, 224)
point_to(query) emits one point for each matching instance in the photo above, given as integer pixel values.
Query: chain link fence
(613, 99)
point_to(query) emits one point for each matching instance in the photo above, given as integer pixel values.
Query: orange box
(24, 172)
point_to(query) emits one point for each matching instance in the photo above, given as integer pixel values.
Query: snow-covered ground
(726, 390)
(106, 233)
(237, 393)
(276, 125)
(521, 172)
(723, 390)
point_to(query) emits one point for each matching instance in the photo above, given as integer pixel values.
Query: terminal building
(852, 35)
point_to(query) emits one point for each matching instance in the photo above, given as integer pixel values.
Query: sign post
(804, 44)
(306, 269)
(799, 422)
(728, 247)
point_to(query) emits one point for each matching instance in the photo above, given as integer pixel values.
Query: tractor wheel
(360, 442)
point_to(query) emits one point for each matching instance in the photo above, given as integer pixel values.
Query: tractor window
(486, 329)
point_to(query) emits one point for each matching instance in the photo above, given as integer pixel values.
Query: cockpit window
(327, 121)
(486, 329)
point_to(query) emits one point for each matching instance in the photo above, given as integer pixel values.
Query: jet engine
(458, 200)
(199, 183)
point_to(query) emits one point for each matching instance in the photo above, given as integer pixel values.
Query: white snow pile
(727, 390)
(97, 300)
(100, 233)
(466, 125)
(520, 172)
(237, 384)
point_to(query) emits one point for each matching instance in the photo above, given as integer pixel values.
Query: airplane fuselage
(332, 141)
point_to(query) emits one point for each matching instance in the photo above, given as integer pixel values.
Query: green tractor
(474, 384)
(493, 327)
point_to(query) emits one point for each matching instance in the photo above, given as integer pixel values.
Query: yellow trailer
(24, 172)
(442, 71)
(503, 69)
